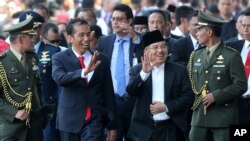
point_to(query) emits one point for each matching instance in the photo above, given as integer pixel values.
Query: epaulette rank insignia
(231, 48)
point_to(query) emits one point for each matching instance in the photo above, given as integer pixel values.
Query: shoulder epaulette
(2, 55)
(231, 48)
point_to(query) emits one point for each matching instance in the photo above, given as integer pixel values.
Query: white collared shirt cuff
(144, 76)
(83, 75)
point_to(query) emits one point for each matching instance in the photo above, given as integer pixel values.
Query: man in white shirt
(163, 93)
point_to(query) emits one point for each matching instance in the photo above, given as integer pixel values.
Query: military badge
(220, 57)
(45, 57)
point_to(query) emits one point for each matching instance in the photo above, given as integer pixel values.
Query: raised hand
(147, 63)
(93, 63)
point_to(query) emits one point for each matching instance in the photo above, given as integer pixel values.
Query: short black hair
(79, 9)
(41, 7)
(72, 22)
(194, 14)
(124, 8)
(97, 29)
(49, 26)
(182, 12)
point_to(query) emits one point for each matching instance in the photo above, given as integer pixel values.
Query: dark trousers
(50, 132)
(209, 134)
(166, 131)
(124, 107)
(91, 131)
(244, 110)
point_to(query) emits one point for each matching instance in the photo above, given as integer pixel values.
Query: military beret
(207, 20)
(24, 27)
(141, 20)
(152, 37)
(37, 19)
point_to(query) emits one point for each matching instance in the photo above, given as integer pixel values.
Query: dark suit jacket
(238, 45)
(77, 93)
(50, 88)
(181, 51)
(178, 98)
(228, 30)
(106, 45)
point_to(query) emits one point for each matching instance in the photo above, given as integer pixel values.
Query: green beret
(207, 20)
(24, 27)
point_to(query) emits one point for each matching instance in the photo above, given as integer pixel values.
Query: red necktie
(88, 110)
(247, 65)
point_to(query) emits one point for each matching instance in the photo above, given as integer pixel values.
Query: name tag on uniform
(197, 64)
(218, 66)
(34, 68)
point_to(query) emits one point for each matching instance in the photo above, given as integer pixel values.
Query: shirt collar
(126, 38)
(84, 55)
(160, 67)
(194, 41)
(17, 54)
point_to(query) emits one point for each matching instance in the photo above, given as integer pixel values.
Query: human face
(117, 20)
(203, 35)
(43, 13)
(80, 38)
(140, 28)
(239, 25)
(246, 27)
(52, 37)
(157, 53)
(225, 7)
(88, 16)
(156, 22)
(192, 23)
(27, 42)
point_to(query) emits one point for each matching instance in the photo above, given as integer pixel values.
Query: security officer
(218, 78)
(20, 90)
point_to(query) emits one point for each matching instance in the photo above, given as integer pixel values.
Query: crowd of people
(123, 70)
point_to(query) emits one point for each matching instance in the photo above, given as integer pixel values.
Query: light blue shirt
(126, 46)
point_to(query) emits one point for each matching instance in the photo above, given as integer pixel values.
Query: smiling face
(157, 53)
(80, 38)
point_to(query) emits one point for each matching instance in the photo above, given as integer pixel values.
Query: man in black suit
(243, 46)
(163, 94)
(183, 47)
(160, 20)
(123, 51)
(86, 103)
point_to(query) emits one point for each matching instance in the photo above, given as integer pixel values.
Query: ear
(130, 21)
(70, 38)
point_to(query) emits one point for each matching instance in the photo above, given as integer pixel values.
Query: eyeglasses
(56, 41)
(118, 19)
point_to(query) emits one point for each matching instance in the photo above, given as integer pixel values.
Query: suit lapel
(149, 86)
(110, 46)
(131, 51)
(168, 77)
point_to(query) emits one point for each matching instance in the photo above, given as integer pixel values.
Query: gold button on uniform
(206, 81)
(206, 71)
(218, 78)
(226, 104)
(218, 71)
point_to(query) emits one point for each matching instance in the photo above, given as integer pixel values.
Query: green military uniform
(222, 75)
(19, 89)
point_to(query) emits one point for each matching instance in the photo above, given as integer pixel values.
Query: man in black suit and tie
(86, 103)
(163, 94)
(123, 51)
(183, 47)
(243, 46)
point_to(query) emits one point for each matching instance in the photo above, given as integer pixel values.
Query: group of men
(129, 85)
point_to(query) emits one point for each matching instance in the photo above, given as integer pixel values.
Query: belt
(161, 122)
(246, 96)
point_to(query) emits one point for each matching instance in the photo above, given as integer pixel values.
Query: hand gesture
(129, 30)
(22, 115)
(208, 100)
(157, 107)
(93, 63)
(147, 63)
(111, 136)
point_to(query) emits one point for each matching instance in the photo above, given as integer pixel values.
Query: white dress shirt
(87, 57)
(195, 42)
(158, 90)
(243, 54)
